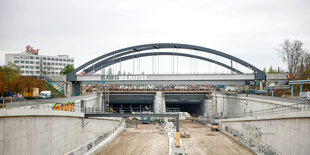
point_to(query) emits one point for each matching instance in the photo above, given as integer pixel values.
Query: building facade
(32, 64)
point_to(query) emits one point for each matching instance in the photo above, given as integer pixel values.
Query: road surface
(204, 141)
(145, 139)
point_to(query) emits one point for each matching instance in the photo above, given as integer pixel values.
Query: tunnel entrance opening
(134, 107)
(191, 108)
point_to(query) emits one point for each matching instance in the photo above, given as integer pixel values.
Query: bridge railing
(66, 106)
(148, 87)
(277, 110)
(127, 110)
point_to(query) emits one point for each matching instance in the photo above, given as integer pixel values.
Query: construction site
(174, 114)
(153, 139)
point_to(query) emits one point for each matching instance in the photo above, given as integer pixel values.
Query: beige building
(32, 64)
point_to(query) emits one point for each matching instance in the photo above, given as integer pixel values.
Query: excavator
(112, 110)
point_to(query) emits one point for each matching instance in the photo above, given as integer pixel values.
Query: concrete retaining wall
(37, 132)
(229, 105)
(273, 134)
(99, 141)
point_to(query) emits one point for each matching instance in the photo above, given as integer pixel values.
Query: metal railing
(205, 120)
(51, 107)
(48, 106)
(94, 142)
(127, 110)
(250, 141)
(151, 88)
(277, 110)
(18, 103)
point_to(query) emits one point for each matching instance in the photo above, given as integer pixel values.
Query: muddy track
(145, 139)
(204, 141)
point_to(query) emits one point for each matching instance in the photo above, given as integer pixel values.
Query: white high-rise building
(32, 64)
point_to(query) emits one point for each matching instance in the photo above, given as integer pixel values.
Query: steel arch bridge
(134, 52)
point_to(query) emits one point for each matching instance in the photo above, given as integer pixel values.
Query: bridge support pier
(260, 85)
(205, 107)
(159, 103)
(76, 89)
(68, 89)
(100, 104)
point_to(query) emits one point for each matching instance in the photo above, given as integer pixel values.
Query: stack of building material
(185, 134)
(184, 115)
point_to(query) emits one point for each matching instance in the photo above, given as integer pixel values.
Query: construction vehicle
(31, 94)
(145, 120)
(214, 126)
(45, 94)
(112, 110)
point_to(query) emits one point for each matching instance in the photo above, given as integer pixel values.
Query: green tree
(264, 70)
(67, 70)
(270, 70)
(9, 75)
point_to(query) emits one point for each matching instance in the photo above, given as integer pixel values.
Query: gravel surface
(145, 139)
(204, 141)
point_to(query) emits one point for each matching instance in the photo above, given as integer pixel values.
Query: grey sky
(250, 30)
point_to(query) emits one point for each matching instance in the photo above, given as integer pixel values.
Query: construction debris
(184, 115)
(185, 134)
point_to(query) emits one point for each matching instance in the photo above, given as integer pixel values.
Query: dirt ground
(204, 141)
(145, 139)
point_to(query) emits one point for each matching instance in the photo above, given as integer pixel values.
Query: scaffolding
(106, 99)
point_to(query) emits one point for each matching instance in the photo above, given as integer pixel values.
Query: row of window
(36, 72)
(37, 67)
(44, 63)
(44, 58)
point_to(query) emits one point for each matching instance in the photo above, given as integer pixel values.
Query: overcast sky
(250, 30)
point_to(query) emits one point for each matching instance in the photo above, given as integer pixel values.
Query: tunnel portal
(191, 103)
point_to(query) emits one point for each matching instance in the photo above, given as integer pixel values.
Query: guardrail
(19, 103)
(94, 142)
(277, 110)
(205, 120)
(251, 141)
(130, 110)
(69, 106)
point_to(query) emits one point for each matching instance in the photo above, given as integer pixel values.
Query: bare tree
(109, 71)
(291, 53)
(307, 62)
(103, 71)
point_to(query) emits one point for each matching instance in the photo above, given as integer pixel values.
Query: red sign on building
(30, 50)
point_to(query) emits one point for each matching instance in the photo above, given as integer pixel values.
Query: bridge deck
(131, 115)
(154, 91)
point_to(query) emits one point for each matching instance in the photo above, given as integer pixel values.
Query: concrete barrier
(171, 133)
